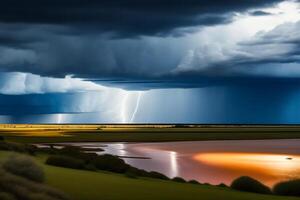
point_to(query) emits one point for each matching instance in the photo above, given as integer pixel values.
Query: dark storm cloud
(18, 35)
(101, 39)
(14, 41)
(124, 17)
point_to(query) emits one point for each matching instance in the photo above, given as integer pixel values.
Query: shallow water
(214, 162)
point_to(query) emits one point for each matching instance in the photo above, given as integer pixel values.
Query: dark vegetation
(249, 184)
(65, 161)
(179, 179)
(222, 185)
(110, 163)
(21, 179)
(288, 188)
(194, 182)
(17, 147)
(74, 157)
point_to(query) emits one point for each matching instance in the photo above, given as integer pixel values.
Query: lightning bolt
(127, 99)
(136, 106)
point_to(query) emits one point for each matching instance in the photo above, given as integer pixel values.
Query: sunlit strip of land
(142, 132)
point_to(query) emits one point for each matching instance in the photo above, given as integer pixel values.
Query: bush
(70, 151)
(30, 149)
(288, 188)
(16, 187)
(130, 174)
(110, 163)
(65, 161)
(90, 167)
(222, 185)
(87, 157)
(24, 166)
(249, 184)
(21, 148)
(16, 147)
(157, 175)
(77, 152)
(132, 171)
(193, 182)
(47, 150)
(179, 179)
(136, 172)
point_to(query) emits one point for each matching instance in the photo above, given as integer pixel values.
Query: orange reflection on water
(269, 168)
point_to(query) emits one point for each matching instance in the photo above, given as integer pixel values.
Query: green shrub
(16, 147)
(138, 172)
(77, 152)
(249, 184)
(46, 150)
(90, 167)
(21, 148)
(16, 187)
(130, 174)
(65, 161)
(157, 175)
(222, 185)
(70, 151)
(30, 149)
(110, 163)
(24, 166)
(132, 171)
(179, 179)
(135, 171)
(87, 157)
(288, 188)
(193, 182)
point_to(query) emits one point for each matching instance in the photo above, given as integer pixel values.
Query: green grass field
(85, 185)
(135, 133)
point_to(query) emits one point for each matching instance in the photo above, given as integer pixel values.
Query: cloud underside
(125, 17)
(143, 40)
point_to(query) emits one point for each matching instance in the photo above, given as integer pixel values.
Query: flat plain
(47, 133)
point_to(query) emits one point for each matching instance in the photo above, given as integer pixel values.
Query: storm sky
(150, 61)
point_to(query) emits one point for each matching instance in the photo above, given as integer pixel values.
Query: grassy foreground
(142, 133)
(86, 185)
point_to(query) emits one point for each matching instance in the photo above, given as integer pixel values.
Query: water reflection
(115, 149)
(269, 161)
(266, 167)
(173, 163)
(162, 161)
